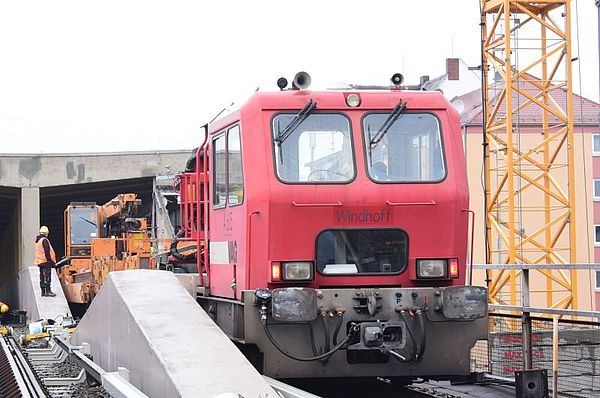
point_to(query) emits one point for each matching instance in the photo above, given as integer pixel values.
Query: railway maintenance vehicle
(100, 239)
(334, 229)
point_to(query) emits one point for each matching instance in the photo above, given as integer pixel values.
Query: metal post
(154, 199)
(526, 321)
(555, 356)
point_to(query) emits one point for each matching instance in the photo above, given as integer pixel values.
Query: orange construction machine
(101, 239)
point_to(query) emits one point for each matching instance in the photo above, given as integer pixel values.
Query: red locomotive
(334, 226)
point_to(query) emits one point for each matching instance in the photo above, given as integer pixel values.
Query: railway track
(21, 377)
(372, 389)
(17, 379)
(420, 391)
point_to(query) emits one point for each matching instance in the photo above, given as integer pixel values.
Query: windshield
(410, 151)
(84, 225)
(361, 251)
(318, 150)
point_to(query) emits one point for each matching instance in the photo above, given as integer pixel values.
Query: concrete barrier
(189, 282)
(30, 296)
(147, 322)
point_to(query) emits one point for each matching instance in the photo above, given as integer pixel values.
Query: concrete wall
(29, 224)
(61, 169)
(9, 260)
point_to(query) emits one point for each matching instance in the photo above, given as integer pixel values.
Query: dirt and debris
(69, 368)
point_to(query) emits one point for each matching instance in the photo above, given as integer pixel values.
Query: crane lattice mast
(528, 143)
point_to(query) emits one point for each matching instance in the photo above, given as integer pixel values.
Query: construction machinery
(100, 239)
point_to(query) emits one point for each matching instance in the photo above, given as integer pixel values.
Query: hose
(326, 332)
(174, 250)
(190, 164)
(423, 339)
(414, 354)
(316, 357)
(337, 328)
(311, 334)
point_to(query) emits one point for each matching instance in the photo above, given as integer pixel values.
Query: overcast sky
(124, 75)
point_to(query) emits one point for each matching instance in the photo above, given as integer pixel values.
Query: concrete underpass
(54, 200)
(35, 190)
(9, 242)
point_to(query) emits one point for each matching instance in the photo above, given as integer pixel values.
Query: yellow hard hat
(3, 308)
(44, 230)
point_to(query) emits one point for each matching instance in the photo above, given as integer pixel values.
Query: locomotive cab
(338, 228)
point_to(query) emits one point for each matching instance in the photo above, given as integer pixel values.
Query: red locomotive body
(337, 227)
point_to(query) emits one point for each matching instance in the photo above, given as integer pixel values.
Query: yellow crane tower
(528, 146)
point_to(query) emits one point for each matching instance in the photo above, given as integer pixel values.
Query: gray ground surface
(68, 368)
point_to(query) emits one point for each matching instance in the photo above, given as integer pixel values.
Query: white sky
(141, 75)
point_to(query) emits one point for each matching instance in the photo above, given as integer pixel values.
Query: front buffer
(366, 332)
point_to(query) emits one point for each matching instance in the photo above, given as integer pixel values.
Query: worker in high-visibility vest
(45, 259)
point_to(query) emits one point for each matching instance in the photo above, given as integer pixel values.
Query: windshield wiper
(298, 118)
(88, 221)
(396, 112)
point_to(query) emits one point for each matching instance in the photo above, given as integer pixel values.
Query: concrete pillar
(30, 225)
(9, 262)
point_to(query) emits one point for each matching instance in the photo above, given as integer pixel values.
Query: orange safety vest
(40, 255)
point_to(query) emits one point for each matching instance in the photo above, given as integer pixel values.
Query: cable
(585, 178)
(484, 171)
(311, 335)
(337, 328)
(423, 339)
(315, 358)
(413, 350)
(326, 332)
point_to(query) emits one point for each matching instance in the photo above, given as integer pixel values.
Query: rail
(16, 377)
(287, 391)
(115, 383)
(525, 292)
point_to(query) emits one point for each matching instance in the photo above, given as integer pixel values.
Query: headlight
(353, 100)
(297, 271)
(464, 302)
(431, 268)
(295, 304)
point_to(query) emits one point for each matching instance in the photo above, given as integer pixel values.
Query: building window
(597, 189)
(597, 280)
(597, 235)
(596, 144)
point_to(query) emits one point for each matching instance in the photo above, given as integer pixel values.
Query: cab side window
(219, 172)
(228, 182)
(235, 178)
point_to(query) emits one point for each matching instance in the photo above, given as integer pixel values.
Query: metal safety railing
(568, 348)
